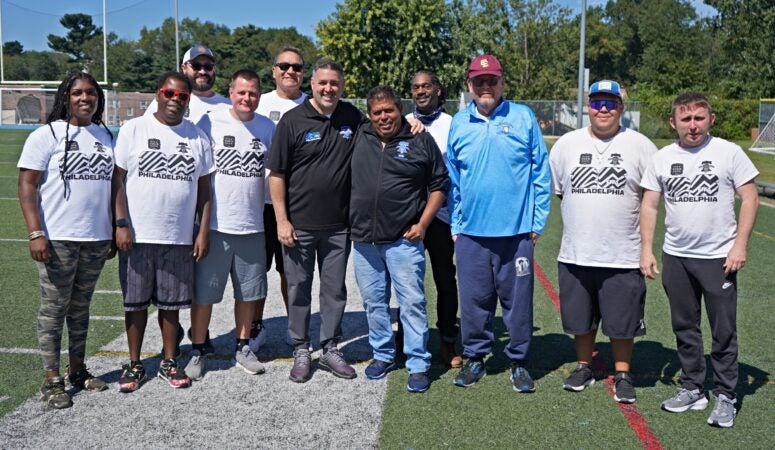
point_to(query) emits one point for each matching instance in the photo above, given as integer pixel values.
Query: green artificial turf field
(490, 414)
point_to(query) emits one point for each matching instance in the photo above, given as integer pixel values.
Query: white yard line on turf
(9, 198)
(14, 240)
(121, 318)
(107, 292)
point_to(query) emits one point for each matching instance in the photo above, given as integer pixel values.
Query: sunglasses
(285, 66)
(610, 105)
(199, 66)
(170, 93)
(481, 81)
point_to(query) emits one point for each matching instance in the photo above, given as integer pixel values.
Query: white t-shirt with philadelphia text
(163, 167)
(85, 215)
(599, 181)
(197, 106)
(240, 152)
(699, 185)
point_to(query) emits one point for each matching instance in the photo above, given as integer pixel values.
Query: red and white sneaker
(177, 378)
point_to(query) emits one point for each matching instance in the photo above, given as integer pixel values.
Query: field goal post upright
(104, 80)
(765, 141)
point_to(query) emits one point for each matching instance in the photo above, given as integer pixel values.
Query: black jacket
(390, 186)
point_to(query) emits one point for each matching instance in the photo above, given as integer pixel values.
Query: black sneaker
(132, 377)
(521, 380)
(625, 391)
(82, 379)
(579, 379)
(472, 371)
(178, 339)
(169, 372)
(53, 393)
(208, 348)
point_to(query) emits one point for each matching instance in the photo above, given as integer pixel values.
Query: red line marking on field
(630, 412)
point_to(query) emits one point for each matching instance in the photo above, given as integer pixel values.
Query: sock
(241, 343)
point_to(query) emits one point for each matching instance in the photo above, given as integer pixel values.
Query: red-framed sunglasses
(170, 93)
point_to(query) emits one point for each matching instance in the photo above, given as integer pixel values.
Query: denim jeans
(402, 265)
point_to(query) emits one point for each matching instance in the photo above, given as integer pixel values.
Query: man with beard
(199, 67)
(161, 181)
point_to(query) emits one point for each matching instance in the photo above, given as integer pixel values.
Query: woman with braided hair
(65, 175)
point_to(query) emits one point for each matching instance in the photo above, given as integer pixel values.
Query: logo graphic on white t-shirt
(523, 266)
(97, 166)
(608, 180)
(703, 187)
(175, 167)
(249, 164)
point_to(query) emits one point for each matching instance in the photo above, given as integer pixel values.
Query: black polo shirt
(313, 152)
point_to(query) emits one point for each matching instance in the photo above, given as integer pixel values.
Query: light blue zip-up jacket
(500, 184)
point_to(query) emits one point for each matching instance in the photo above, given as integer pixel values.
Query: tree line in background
(655, 48)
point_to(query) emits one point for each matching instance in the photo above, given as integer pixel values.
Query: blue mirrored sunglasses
(609, 104)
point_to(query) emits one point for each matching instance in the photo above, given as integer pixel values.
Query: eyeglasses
(199, 66)
(481, 81)
(286, 66)
(610, 105)
(170, 93)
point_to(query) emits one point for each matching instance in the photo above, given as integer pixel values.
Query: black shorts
(274, 250)
(589, 295)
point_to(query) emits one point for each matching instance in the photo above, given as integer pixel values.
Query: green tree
(12, 48)
(81, 30)
(385, 42)
(746, 34)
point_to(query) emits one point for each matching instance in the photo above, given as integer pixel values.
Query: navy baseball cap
(605, 87)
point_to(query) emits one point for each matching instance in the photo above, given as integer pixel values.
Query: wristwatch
(122, 223)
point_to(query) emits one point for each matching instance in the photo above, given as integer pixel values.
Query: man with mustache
(199, 67)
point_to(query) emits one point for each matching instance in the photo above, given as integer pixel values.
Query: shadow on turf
(653, 362)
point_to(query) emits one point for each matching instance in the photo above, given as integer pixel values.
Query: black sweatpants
(686, 282)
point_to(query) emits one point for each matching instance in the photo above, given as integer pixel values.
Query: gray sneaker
(301, 371)
(333, 361)
(195, 369)
(247, 360)
(684, 400)
(724, 412)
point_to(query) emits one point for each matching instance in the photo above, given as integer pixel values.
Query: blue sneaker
(378, 370)
(418, 383)
(471, 372)
(520, 380)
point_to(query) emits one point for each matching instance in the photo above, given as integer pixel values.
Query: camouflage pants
(67, 284)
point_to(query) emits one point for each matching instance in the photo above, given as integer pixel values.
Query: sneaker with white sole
(579, 379)
(195, 369)
(684, 400)
(724, 412)
(247, 361)
(176, 377)
(624, 390)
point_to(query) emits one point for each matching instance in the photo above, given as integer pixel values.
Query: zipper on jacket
(376, 192)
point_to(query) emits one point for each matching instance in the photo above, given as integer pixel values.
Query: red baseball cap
(485, 65)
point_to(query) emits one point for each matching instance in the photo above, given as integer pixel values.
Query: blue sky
(30, 21)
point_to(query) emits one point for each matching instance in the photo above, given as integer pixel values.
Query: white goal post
(765, 142)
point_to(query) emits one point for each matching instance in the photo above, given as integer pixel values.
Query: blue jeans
(402, 264)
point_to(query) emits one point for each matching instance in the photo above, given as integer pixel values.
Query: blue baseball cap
(605, 87)
(198, 50)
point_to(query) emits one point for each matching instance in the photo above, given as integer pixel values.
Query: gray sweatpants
(331, 248)
(687, 281)
(67, 284)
